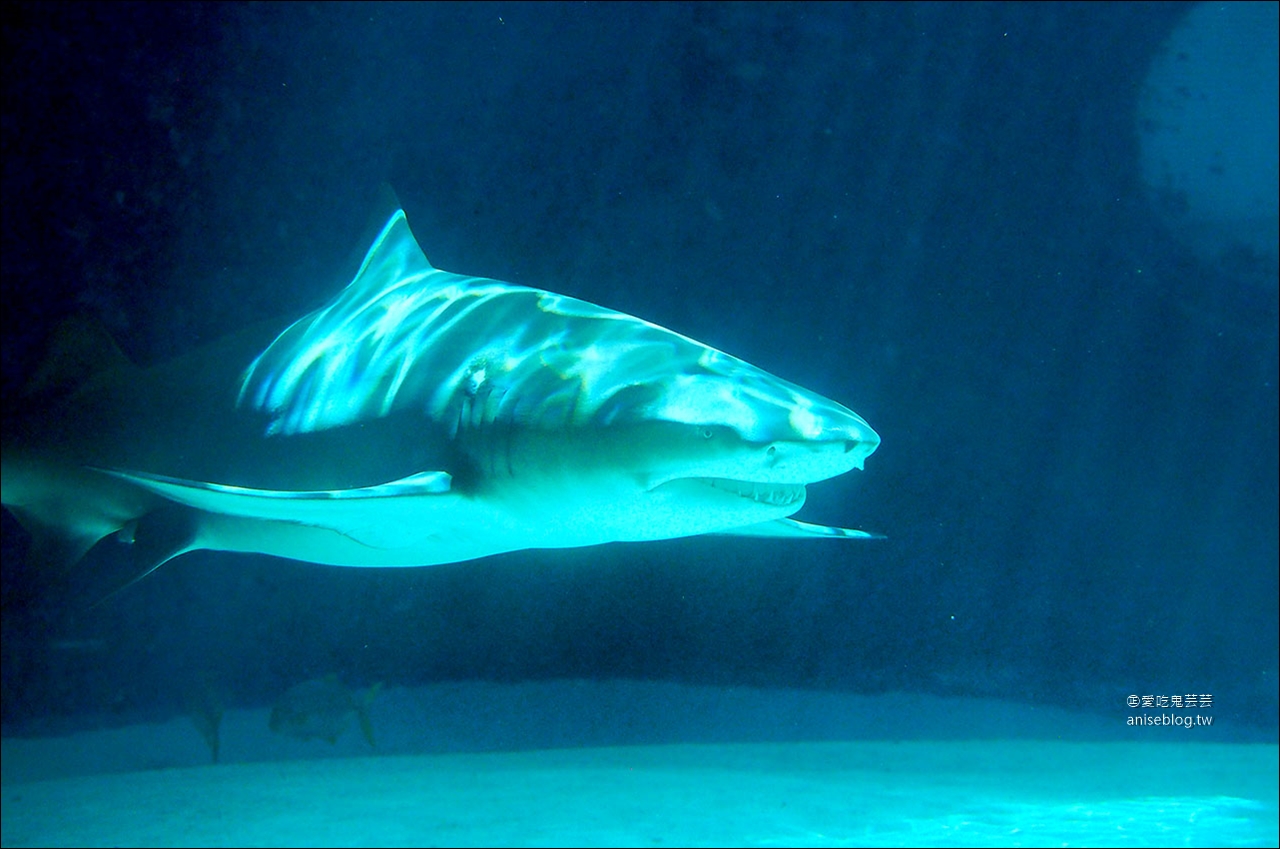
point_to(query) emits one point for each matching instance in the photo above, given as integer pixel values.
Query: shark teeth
(775, 494)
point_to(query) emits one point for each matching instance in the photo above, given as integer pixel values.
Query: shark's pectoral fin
(283, 505)
(361, 514)
(791, 529)
(160, 536)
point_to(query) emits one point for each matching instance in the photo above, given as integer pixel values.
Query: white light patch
(396, 311)
(803, 420)
(694, 399)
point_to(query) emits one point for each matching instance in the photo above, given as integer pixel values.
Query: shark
(419, 417)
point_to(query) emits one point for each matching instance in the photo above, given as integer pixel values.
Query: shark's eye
(708, 432)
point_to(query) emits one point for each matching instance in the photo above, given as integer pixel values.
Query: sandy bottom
(144, 785)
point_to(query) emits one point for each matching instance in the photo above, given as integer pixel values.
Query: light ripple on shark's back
(426, 417)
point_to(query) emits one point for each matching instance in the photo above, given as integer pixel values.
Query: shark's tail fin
(64, 519)
(77, 350)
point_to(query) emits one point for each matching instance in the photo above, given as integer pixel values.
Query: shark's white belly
(448, 528)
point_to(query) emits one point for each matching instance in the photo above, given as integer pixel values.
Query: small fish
(322, 709)
(204, 709)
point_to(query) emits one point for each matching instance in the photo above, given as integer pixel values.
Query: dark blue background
(932, 213)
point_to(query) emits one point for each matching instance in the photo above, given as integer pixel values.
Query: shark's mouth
(773, 494)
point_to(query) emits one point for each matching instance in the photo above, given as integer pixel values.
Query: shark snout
(821, 441)
(857, 440)
(812, 461)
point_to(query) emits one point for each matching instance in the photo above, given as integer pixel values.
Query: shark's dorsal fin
(369, 336)
(79, 348)
(393, 257)
(385, 205)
